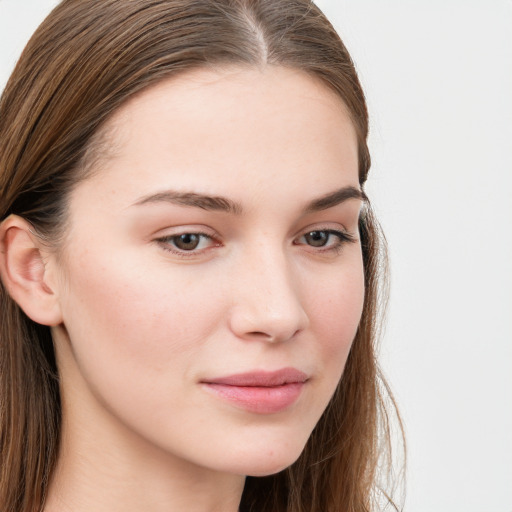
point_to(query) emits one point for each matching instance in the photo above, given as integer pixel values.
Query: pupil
(317, 238)
(187, 242)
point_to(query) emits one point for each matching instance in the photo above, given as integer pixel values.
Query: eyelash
(343, 237)
(166, 242)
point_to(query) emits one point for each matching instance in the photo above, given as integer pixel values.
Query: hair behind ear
(29, 407)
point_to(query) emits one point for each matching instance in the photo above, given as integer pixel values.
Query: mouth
(260, 391)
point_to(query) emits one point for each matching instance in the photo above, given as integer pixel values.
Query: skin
(143, 324)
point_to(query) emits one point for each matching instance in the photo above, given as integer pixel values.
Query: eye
(325, 239)
(183, 243)
(317, 238)
(187, 241)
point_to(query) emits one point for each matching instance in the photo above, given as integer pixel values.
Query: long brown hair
(85, 60)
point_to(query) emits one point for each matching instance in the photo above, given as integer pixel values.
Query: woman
(189, 263)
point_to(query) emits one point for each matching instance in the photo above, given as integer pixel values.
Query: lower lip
(261, 400)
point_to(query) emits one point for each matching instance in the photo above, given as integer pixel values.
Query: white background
(438, 77)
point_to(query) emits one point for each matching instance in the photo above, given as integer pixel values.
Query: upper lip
(261, 378)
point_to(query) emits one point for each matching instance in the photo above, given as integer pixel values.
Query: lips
(260, 391)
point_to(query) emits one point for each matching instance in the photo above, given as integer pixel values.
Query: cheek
(126, 319)
(335, 313)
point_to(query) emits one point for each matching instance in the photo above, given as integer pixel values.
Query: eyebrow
(205, 202)
(335, 198)
(223, 204)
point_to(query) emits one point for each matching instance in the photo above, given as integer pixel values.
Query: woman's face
(211, 282)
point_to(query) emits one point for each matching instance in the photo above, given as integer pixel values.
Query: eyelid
(344, 237)
(341, 233)
(332, 227)
(179, 229)
(171, 233)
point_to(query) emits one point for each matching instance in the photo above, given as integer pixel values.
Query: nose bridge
(267, 301)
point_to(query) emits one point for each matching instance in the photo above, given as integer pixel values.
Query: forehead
(230, 128)
(268, 84)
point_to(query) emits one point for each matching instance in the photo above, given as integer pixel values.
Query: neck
(106, 467)
(102, 474)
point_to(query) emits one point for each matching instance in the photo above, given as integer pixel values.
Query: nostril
(270, 338)
(259, 334)
(272, 323)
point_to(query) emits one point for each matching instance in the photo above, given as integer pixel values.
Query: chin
(271, 467)
(268, 470)
(269, 461)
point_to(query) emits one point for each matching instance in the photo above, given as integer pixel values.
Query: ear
(26, 271)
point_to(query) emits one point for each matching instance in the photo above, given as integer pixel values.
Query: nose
(267, 303)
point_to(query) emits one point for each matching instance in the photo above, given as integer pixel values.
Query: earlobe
(25, 273)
